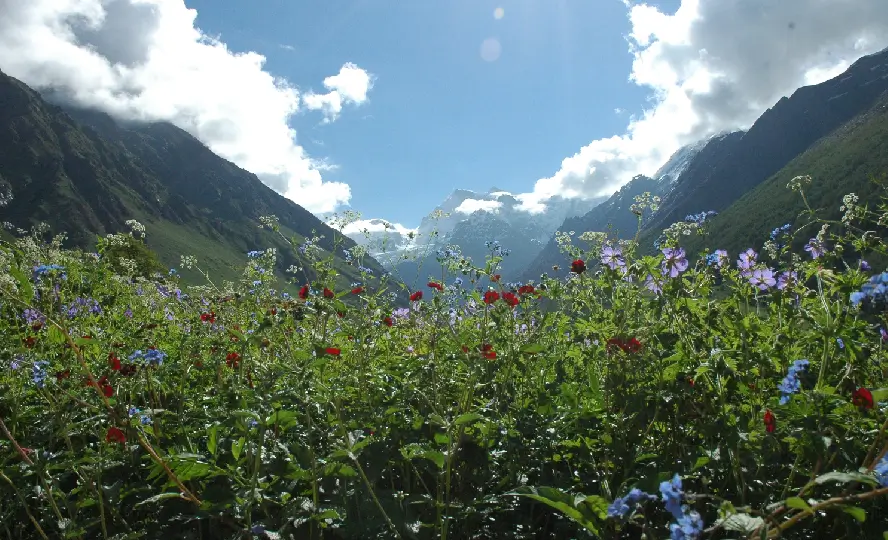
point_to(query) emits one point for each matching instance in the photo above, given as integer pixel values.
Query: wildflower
(488, 352)
(816, 248)
(303, 292)
(875, 290)
(762, 278)
(689, 526)
(61, 375)
(332, 351)
(387, 321)
(209, 317)
(578, 266)
(717, 259)
(746, 261)
(232, 360)
(674, 261)
(154, 356)
(862, 398)
(253, 254)
(671, 493)
(491, 297)
(511, 299)
(786, 280)
(622, 506)
(436, 286)
(884, 334)
(840, 343)
(115, 435)
(38, 373)
(328, 293)
(865, 266)
(770, 421)
(526, 289)
(652, 285)
(358, 290)
(612, 257)
(416, 297)
(791, 383)
(33, 316)
(495, 278)
(881, 471)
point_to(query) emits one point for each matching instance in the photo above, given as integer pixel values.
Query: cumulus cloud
(712, 66)
(470, 206)
(350, 86)
(372, 226)
(146, 60)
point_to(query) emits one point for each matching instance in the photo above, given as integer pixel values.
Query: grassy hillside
(848, 161)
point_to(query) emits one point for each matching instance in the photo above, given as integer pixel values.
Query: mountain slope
(83, 173)
(783, 132)
(841, 163)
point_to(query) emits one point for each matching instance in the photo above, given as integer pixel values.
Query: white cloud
(470, 206)
(349, 87)
(712, 66)
(375, 226)
(146, 60)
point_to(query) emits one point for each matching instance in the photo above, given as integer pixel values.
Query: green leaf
(799, 504)
(160, 497)
(213, 438)
(533, 348)
(581, 509)
(416, 451)
(237, 447)
(283, 419)
(467, 418)
(702, 461)
(857, 513)
(845, 477)
(880, 394)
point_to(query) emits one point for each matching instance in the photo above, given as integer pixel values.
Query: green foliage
(140, 406)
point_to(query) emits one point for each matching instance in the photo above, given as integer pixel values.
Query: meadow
(625, 395)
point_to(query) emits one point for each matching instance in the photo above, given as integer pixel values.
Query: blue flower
(840, 342)
(881, 471)
(689, 526)
(38, 373)
(622, 506)
(791, 383)
(815, 247)
(671, 494)
(33, 316)
(253, 254)
(145, 420)
(762, 278)
(717, 259)
(612, 257)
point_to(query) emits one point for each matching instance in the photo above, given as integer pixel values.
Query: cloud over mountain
(712, 66)
(146, 60)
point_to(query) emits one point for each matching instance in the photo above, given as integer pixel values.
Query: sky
(385, 107)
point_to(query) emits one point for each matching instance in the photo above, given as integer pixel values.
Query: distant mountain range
(85, 174)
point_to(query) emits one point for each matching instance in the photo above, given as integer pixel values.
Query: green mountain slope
(844, 162)
(83, 173)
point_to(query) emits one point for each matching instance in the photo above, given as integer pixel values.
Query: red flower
(434, 285)
(578, 266)
(303, 292)
(232, 360)
(340, 314)
(328, 293)
(633, 346)
(495, 278)
(487, 351)
(388, 321)
(511, 299)
(113, 361)
(526, 289)
(770, 421)
(863, 398)
(357, 290)
(115, 435)
(108, 390)
(332, 351)
(30, 341)
(491, 297)
(415, 297)
(465, 349)
(208, 317)
(63, 375)
(128, 370)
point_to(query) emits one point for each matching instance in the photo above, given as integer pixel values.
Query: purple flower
(674, 261)
(762, 278)
(816, 248)
(746, 261)
(864, 265)
(652, 285)
(786, 280)
(612, 257)
(33, 316)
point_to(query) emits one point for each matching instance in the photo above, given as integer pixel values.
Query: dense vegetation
(739, 395)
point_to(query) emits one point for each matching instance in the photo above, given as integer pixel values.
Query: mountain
(714, 180)
(714, 173)
(85, 174)
(470, 220)
(846, 161)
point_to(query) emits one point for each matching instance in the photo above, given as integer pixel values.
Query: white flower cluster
(851, 209)
(136, 228)
(188, 262)
(797, 183)
(645, 200)
(269, 222)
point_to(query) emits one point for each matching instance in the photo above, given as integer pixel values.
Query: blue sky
(439, 116)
